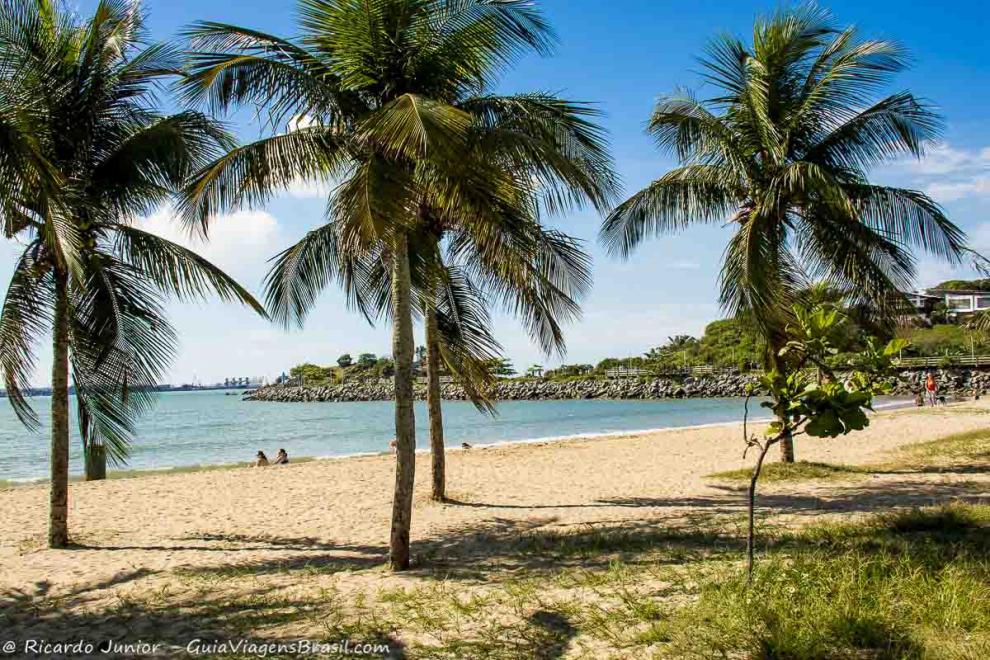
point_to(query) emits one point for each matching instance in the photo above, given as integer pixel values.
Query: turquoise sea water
(209, 427)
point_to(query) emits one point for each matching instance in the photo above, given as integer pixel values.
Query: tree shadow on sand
(679, 530)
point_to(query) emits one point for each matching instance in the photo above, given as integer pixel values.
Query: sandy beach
(137, 536)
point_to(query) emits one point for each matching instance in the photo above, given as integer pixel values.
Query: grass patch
(798, 471)
(969, 446)
(912, 584)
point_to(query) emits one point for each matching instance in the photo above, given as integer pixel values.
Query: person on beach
(919, 399)
(931, 389)
(392, 445)
(260, 460)
(281, 458)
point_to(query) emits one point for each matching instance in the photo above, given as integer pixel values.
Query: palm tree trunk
(433, 405)
(775, 343)
(58, 521)
(405, 420)
(96, 462)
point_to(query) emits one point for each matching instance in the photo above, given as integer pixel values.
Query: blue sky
(621, 55)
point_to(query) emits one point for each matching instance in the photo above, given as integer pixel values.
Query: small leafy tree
(808, 398)
(310, 374)
(345, 361)
(385, 367)
(367, 360)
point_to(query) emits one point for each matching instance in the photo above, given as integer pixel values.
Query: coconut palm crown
(782, 152)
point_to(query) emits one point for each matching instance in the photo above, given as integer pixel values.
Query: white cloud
(303, 189)
(240, 243)
(949, 174)
(952, 191)
(942, 160)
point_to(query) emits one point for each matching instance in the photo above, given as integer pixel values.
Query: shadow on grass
(176, 622)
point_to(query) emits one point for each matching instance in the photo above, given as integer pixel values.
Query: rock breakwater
(952, 382)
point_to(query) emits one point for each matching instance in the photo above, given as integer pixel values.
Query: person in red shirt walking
(931, 389)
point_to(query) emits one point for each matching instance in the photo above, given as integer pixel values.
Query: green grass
(960, 448)
(912, 584)
(970, 446)
(799, 471)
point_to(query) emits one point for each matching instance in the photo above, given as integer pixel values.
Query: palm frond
(415, 127)
(550, 139)
(912, 217)
(893, 127)
(25, 317)
(467, 345)
(232, 65)
(682, 197)
(155, 160)
(252, 173)
(301, 272)
(178, 271)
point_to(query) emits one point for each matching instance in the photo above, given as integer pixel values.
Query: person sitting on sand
(281, 458)
(919, 400)
(260, 460)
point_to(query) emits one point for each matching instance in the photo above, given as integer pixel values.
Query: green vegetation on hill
(964, 285)
(368, 366)
(725, 343)
(944, 339)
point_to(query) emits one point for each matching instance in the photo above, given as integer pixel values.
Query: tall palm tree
(782, 152)
(374, 94)
(83, 153)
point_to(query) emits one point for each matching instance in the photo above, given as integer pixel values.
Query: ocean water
(210, 427)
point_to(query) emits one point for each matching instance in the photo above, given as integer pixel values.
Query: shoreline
(117, 475)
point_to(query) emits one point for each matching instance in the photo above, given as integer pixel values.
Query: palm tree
(374, 95)
(782, 152)
(532, 137)
(452, 290)
(83, 153)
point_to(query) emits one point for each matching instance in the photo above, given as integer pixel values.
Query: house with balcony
(956, 302)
